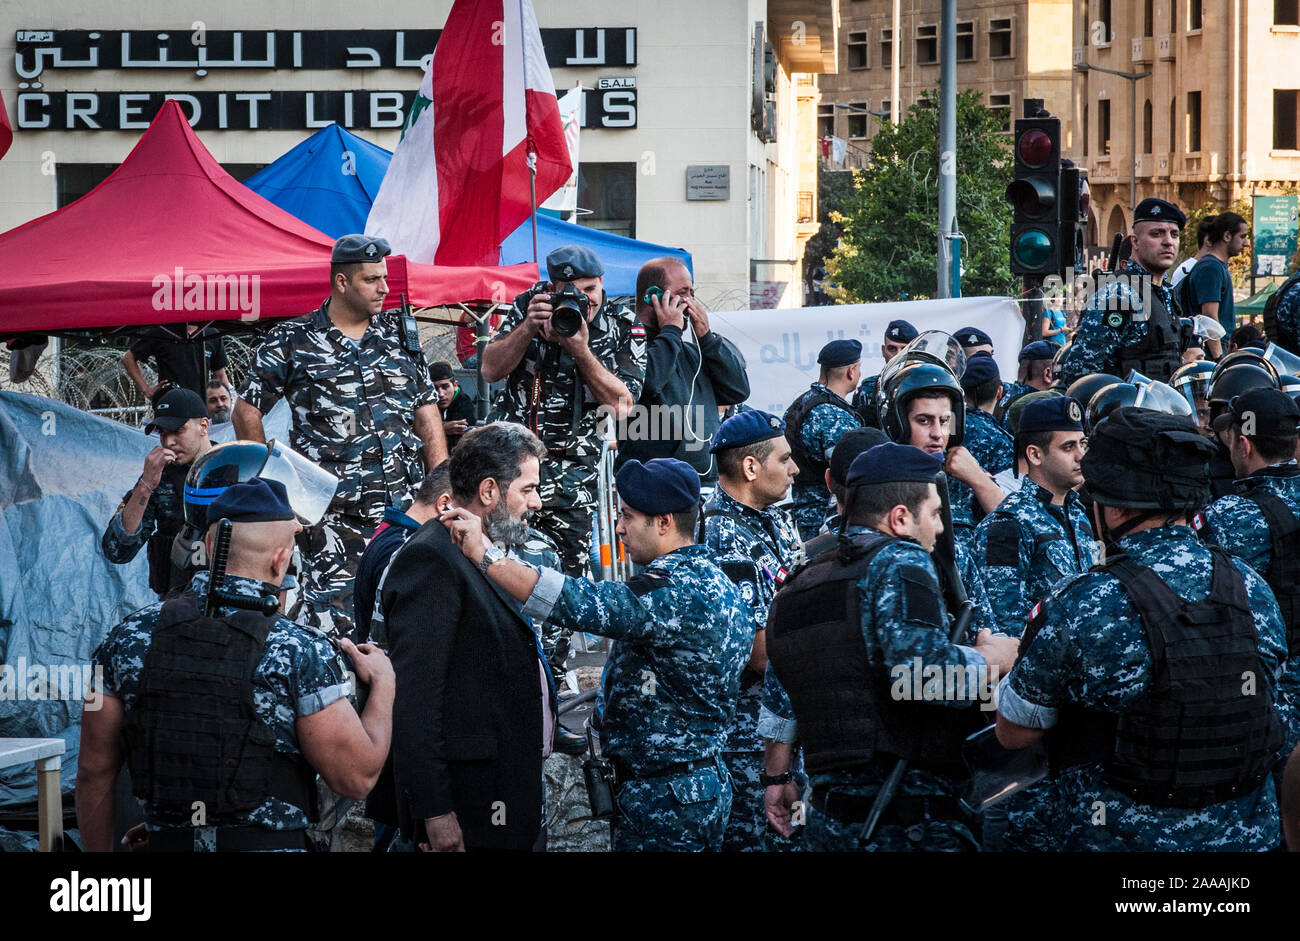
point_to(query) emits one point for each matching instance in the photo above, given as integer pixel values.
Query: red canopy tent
(170, 237)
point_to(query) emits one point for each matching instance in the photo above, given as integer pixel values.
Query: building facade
(699, 119)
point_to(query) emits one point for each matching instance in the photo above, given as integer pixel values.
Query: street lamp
(1084, 68)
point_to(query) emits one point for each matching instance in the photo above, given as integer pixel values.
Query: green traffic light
(1033, 249)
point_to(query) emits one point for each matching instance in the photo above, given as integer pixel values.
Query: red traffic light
(1035, 148)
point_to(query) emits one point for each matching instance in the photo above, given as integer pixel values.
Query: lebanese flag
(458, 181)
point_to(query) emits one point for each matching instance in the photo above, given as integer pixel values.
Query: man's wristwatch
(770, 780)
(490, 555)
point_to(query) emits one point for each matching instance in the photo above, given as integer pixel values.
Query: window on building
(805, 207)
(1285, 103)
(857, 58)
(927, 45)
(1193, 14)
(1149, 18)
(609, 191)
(825, 120)
(1146, 127)
(858, 120)
(1002, 105)
(965, 42)
(1286, 13)
(1193, 122)
(887, 50)
(1000, 39)
(1103, 127)
(1103, 17)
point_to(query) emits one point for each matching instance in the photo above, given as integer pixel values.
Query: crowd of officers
(927, 610)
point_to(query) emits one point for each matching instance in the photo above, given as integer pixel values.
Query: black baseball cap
(1270, 413)
(174, 409)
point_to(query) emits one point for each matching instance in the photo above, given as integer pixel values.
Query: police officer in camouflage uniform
(814, 423)
(1036, 537)
(755, 543)
(1144, 666)
(363, 407)
(1035, 375)
(561, 388)
(974, 341)
(898, 334)
(851, 635)
(985, 439)
(153, 512)
(1260, 523)
(170, 710)
(682, 635)
(1118, 333)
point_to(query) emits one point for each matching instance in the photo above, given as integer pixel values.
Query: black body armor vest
(847, 715)
(812, 467)
(1193, 739)
(1158, 354)
(1284, 566)
(171, 564)
(194, 734)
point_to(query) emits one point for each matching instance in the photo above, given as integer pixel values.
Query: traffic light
(1074, 218)
(1033, 193)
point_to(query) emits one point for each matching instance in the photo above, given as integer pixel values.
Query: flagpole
(532, 197)
(532, 154)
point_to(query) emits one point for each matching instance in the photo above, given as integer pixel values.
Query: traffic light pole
(1133, 78)
(947, 145)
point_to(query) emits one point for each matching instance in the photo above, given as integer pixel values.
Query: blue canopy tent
(330, 180)
(327, 181)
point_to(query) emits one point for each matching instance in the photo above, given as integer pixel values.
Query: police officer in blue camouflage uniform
(1282, 315)
(1260, 523)
(814, 423)
(1035, 375)
(363, 407)
(561, 387)
(185, 688)
(898, 334)
(1139, 670)
(1036, 537)
(974, 341)
(850, 636)
(985, 439)
(755, 543)
(1117, 332)
(682, 635)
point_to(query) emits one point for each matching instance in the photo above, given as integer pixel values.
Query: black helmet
(934, 347)
(1238, 378)
(309, 487)
(904, 386)
(1105, 400)
(1192, 380)
(1142, 459)
(1085, 387)
(1248, 355)
(1058, 367)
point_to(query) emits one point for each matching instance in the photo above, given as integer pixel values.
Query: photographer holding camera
(565, 352)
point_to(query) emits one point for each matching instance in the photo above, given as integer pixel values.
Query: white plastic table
(48, 755)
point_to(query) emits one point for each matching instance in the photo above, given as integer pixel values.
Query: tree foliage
(891, 220)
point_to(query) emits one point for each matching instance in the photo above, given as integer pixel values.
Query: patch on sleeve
(739, 571)
(1200, 525)
(638, 330)
(1003, 543)
(647, 582)
(920, 596)
(1037, 618)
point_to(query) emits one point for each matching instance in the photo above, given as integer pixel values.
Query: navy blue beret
(1158, 210)
(256, 500)
(1055, 414)
(890, 463)
(979, 368)
(359, 248)
(900, 331)
(1039, 349)
(571, 262)
(661, 485)
(745, 428)
(973, 336)
(840, 353)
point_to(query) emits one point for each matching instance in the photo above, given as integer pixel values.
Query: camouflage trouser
(933, 834)
(568, 493)
(330, 552)
(1025, 821)
(683, 814)
(747, 828)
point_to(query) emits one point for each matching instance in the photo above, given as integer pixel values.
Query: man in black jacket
(685, 383)
(472, 719)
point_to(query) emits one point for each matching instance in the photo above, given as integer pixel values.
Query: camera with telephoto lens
(568, 310)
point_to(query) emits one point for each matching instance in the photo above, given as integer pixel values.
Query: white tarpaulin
(781, 346)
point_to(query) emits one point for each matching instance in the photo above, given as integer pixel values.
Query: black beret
(256, 500)
(979, 369)
(661, 485)
(174, 409)
(1061, 413)
(745, 428)
(1039, 349)
(441, 370)
(840, 353)
(1158, 210)
(891, 463)
(900, 331)
(359, 248)
(973, 336)
(851, 444)
(571, 262)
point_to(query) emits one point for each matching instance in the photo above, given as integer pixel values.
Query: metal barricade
(614, 564)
